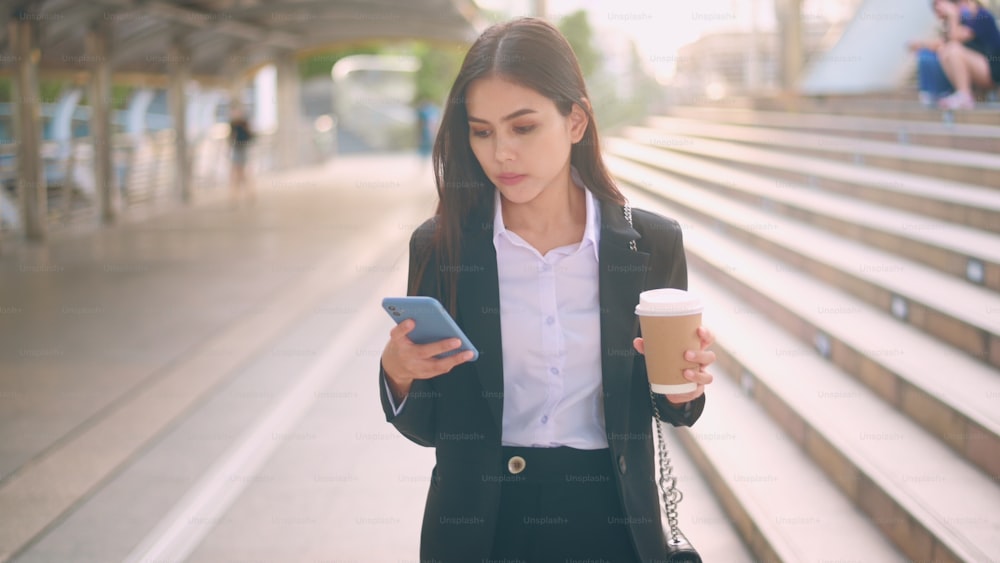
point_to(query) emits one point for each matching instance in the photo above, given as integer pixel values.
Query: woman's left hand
(703, 358)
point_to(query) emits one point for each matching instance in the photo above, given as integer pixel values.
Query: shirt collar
(591, 230)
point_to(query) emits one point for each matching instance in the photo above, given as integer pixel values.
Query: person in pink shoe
(970, 50)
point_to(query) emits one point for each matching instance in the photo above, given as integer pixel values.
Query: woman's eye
(524, 129)
(482, 134)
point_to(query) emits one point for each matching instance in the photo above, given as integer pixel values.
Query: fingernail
(689, 355)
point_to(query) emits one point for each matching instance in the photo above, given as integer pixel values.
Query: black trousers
(563, 506)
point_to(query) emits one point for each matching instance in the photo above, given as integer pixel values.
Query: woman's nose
(503, 150)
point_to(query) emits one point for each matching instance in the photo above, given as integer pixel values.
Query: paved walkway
(113, 340)
(200, 385)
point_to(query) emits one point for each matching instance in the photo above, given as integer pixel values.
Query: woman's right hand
(404, 362)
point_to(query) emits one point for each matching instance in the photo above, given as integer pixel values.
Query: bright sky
(660, 27)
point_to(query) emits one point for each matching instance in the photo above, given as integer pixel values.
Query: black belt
(557, 465)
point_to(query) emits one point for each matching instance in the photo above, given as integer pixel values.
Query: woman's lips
(510, 179)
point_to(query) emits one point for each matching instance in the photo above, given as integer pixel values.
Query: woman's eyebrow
(507, 117)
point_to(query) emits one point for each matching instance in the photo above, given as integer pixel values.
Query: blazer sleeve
(663, 240)
(415, 420)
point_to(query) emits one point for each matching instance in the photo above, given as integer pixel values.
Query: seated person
(969, 49)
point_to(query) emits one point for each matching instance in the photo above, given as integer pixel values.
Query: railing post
(289, 110)
(99, 54)
(790, 31)
(178, 60)
(539, 9)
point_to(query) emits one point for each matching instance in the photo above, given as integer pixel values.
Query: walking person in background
(543, 446)
(968, 50)
(240, 137)
(428, 117)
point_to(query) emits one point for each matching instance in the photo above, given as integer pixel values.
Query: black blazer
(459, 413)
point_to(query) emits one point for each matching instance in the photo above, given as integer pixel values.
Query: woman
(969, 50)
(543, 445)
(240, 137)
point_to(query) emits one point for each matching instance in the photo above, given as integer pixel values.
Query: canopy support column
(289, 111)
(99, 52)
(179, 61)
(31, 188)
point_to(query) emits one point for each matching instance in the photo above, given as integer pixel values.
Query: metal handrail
(142, 174)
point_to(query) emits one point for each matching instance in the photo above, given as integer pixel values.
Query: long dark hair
(532, 53)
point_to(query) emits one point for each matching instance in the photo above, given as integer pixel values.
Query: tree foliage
(439, 64)
(576, 28)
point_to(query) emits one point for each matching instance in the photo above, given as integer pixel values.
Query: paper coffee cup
(669, 319)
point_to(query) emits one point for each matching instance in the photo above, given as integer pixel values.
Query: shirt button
(550, 320)
(546, 267)
(554, 371)
(545, 419)
(516, 465)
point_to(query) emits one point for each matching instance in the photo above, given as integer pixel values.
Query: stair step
(931, 504)
(961, 314)
(945, 507)
(965, 136)
(903, 110)
(899, 363)
(782, 504)
(972, 206)
(959, 165)
(701, 517)
(942, 245)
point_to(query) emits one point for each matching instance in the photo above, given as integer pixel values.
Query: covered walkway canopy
(214, 41)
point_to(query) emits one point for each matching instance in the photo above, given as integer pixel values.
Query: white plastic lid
(668, 302)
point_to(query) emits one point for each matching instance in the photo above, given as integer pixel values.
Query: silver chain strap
(668, 481)
(628, 217)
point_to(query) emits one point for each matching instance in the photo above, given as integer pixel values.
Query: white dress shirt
(550, 327)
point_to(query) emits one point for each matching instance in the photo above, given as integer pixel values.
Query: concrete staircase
(850, 257)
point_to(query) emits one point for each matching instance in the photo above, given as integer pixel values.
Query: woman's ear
(578, 121)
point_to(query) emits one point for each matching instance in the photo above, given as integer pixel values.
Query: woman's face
(519, 137)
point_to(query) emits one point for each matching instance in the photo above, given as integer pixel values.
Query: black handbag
(679, 549)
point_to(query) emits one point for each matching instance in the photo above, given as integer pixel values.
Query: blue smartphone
(433, 323)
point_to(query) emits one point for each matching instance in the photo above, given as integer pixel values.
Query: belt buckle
(516, 465)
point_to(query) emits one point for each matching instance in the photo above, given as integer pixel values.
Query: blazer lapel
(479, 310)
(621, 279)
